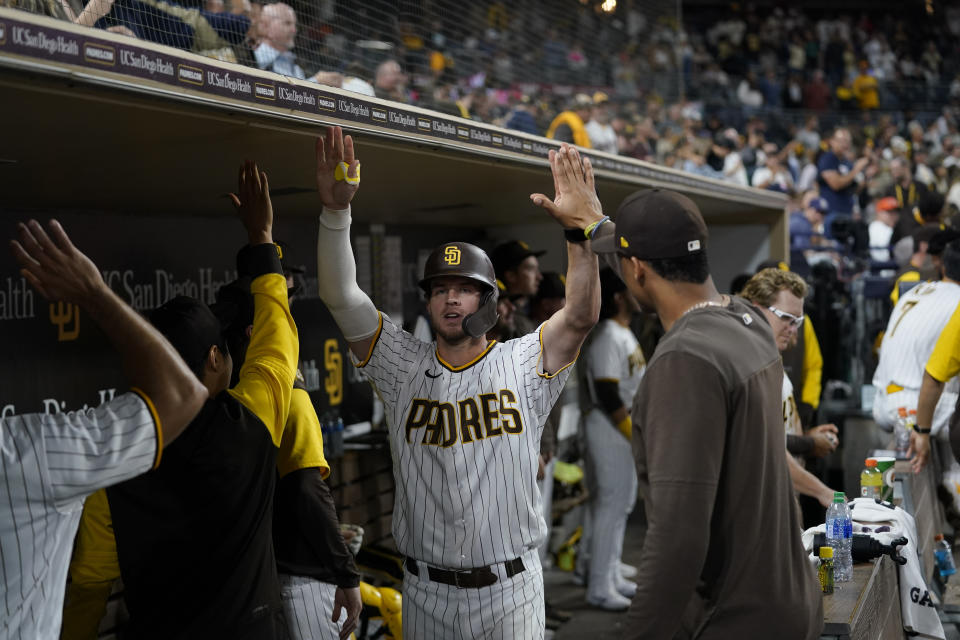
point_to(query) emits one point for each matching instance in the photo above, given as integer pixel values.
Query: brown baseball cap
(655, 224)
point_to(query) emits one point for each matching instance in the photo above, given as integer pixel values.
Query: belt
(893, 388)
(466, 578)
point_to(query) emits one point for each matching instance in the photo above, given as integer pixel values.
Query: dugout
(134, 146)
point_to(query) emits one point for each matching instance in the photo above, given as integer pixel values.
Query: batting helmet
(466, 261)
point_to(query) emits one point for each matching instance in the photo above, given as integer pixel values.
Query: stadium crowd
(747, 95)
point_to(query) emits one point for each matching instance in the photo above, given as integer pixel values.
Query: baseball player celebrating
(912, 332)
(465, 414)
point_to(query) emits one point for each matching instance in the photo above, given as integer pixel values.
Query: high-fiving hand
(56, 268)
(575, 205)
(253, 203)
(338, 169)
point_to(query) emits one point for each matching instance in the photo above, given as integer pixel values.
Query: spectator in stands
(278, 32)
(816, 93)
(748, 92)
(833, 63)
(771, 89)
(569, 126)
(844, 96)
(69, 11)
(601, 133)
(470, 104)
(908, 194)
(793, 92)
(837, 175)
(886, 214)
(807, 223)
(773, 174)
(865, 89)
(216, 34)
(524, 116)
(733, 169)
(922, 172)
(518, 268)
(390, 83)
(554, 57)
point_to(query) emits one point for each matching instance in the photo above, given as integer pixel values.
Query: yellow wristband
(588, 232)
(625, 427)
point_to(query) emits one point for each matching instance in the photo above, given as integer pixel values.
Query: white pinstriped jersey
(465, 442)
(48, 465)
(912, 331)
(614, 354)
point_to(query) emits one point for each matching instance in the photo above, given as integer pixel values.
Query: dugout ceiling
(95, 121)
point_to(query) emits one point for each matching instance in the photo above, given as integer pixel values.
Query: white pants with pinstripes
(615, 479)
(307, 609)
(509, 609)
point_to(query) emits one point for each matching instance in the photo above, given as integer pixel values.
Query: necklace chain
(702, 305)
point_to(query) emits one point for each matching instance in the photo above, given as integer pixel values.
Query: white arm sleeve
(350, 307)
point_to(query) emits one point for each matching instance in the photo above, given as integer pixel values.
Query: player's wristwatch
(924, 432)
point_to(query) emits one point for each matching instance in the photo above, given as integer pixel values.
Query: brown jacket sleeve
(679, 447)
(307, 536)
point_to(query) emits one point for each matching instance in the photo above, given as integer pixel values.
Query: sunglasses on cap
(789, 317)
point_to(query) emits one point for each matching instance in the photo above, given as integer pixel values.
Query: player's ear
(214, 360)
(638, 270)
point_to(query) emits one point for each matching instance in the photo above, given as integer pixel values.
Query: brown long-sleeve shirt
(722, 557)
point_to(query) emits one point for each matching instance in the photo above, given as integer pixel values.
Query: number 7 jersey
(465, 443)
(912, 332)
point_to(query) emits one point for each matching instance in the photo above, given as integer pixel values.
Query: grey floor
(588, 622)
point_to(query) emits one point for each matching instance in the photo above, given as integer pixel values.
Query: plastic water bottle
(337, 446)
(871, 480)
(327, 435)
(944, 556)
(901, 434)
(839, 529)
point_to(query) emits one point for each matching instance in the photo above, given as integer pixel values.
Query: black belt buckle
(466, 578)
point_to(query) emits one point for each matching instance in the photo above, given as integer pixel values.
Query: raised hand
(338, 169)
(253, 203)
(56, 268)
(575, 205)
